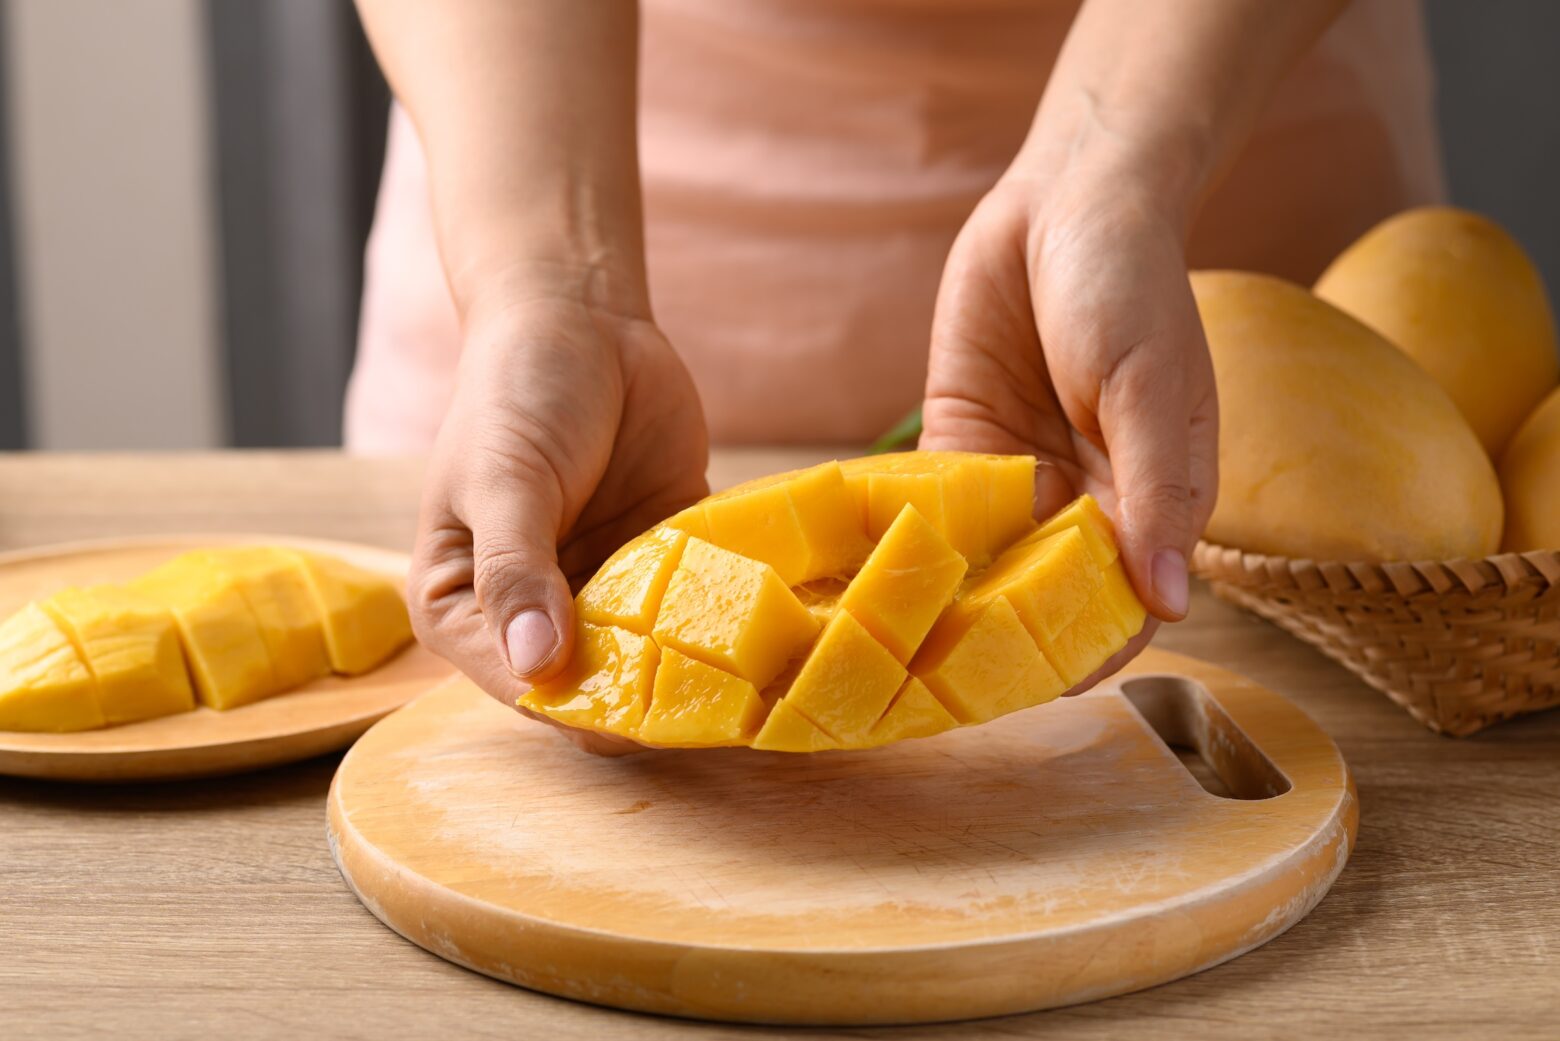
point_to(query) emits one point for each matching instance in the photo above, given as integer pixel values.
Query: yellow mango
(1530, 478)
(627, 591)
(847, 681)
(1048, 579)
(362, 614)
(605, 687)
(733, 613)
(278, 593)
(787, 730)
(915, 712)
(44, 684)
(1333, 444)
(694, 705)
(226, 652)
(987, 668)
(130, 645)
(1457, 294)
(904, 585)
(787, 629)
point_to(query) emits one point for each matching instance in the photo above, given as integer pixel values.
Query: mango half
(849, 605)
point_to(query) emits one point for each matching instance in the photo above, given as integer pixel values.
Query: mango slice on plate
(362, 613)
(848, 605)
(44, 684)
(227, 654)
(130, 645)
(228, 626)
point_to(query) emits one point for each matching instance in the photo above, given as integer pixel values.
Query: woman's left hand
(1065, 328)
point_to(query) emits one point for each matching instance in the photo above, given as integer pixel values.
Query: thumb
(1145, 422)
(514, 521)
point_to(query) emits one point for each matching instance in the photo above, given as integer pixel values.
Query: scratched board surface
(1056, 855)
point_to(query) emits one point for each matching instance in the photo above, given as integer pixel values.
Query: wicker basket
(1461, 645)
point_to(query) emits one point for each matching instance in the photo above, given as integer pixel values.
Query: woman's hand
(1065, 327)
(573, 428)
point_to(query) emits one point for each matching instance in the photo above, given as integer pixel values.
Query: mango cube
(361, 612)
(904, 585)
(787, 730)
(1048, 580)
(837, 541)
(226, 652)
(627, 591)
(1113, 617)
(130, 645)
(694, 705)
(1010, 499)
(44, 684)
(606, 685)
(278, 592)
(847, 682)
(760, 523)
(915, 712)
(1085, 514)
(733, 613)
(690, 521)
(988, 668)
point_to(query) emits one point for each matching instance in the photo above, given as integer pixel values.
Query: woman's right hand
(573, 428)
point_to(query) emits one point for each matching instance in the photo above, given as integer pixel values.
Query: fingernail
(1168, 571)
(530, 641)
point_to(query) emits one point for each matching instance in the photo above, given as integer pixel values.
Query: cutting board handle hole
(1213, 749)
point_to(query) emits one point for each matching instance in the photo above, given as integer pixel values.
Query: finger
(1146, 425)
(514, 512)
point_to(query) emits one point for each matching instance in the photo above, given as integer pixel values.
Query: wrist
(602, 283)
(1083, 154)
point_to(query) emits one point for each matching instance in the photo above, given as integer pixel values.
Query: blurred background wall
(186, 185)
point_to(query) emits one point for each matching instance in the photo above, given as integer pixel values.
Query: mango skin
(1335, 445)
(1530, 477)
(1456, 293)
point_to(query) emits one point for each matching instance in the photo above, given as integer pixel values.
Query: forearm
(1158, 98)
(526, 112)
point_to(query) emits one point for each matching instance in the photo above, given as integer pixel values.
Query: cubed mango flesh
(278, 593)
(607, 684)
(633, 581)
(226, 652)
(987, 668)
(1048, 580)
(694, 705)
(1084, 513)
(855, 604)
(44, 684)
(847, 681)
(362, 613)
(910, 577)
(733, 613)
(130, 645)
(787, 730)
(914, 712)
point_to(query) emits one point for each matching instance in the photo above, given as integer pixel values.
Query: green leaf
(906, 430)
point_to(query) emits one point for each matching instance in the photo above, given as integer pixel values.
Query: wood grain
(323, 716)
(192, 910)
(1057, 855)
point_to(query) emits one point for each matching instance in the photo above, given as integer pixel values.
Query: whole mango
(1530, 477)
(1333, 444)
(1457, 294)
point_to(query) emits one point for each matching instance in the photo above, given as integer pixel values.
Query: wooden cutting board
(314, 719)
(1054, 856)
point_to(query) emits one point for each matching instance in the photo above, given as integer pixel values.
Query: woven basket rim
(1499, 571)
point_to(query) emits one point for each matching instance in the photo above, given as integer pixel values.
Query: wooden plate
(1054, 856)
(318, 718)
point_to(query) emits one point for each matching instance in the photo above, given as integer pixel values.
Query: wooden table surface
(213, 908)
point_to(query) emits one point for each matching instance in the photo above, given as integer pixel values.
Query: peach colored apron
(807, 164)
